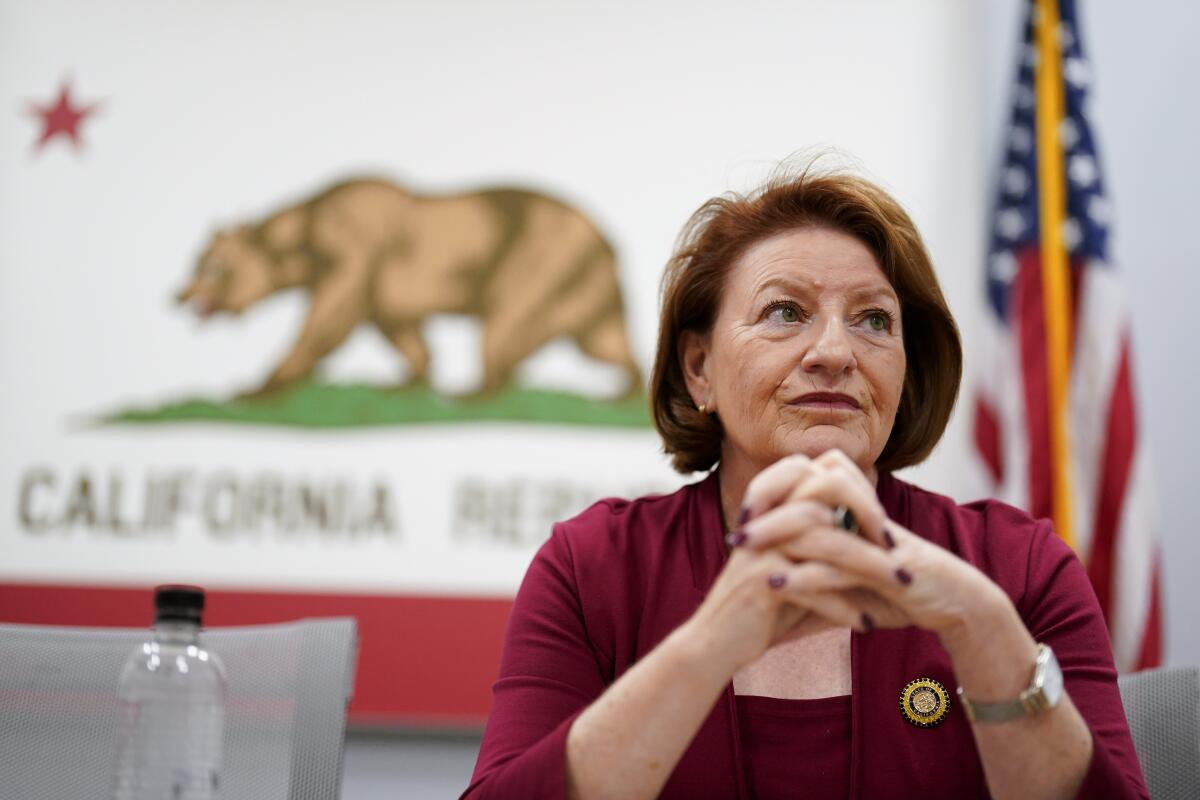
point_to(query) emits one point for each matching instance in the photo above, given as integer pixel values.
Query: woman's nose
(830, 350)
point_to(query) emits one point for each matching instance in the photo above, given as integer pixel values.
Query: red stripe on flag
(1027, 310)
(1150, 654)
(1116, 465)
(987, 438)
(1078, 274)
(427, 661)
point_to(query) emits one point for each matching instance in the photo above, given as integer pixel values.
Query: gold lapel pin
(924, 702)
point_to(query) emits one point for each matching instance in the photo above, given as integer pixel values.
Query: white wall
(1147, 114)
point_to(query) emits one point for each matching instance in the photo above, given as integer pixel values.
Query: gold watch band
(1043, 693)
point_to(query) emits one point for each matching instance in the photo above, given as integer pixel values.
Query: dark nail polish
(887, 539)
(777, 580)
(735, 538)
(903, 576)
(744, 515)
(867, 622)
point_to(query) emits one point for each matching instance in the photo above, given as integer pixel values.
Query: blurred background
(269, 324)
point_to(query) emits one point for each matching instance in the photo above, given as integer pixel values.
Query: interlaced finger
(784, 523)
(771, 487)
(833, 487)
(874, 568)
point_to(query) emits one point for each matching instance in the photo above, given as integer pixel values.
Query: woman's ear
(693, 358)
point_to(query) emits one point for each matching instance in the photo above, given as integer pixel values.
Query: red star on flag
(63, 117)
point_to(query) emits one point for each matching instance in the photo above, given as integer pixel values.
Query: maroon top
(613, 582)
(793, 744)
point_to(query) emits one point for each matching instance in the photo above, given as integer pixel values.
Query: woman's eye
(878, 321)
(784, 312)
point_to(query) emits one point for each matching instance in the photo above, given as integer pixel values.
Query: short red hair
(725, 227)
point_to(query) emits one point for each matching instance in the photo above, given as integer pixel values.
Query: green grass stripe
(316, 405)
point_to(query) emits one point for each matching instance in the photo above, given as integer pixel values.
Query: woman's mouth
(826, 401)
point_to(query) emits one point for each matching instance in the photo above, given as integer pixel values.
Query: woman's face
(806, 353)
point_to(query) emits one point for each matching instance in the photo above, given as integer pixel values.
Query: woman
(795, 624)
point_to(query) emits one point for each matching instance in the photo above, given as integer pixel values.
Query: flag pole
(1048, 78)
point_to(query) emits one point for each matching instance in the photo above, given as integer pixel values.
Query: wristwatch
(1043, 694)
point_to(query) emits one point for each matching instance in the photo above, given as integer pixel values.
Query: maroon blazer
(613, 582)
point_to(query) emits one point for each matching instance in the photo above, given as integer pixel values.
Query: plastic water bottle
(172, 708)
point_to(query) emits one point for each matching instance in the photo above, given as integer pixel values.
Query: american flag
(1055, 418)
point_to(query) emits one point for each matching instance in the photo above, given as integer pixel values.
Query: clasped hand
(793, 572)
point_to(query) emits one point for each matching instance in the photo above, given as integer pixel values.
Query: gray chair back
(285, 715)
(1163, 709)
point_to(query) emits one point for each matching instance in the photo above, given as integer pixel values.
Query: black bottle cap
(177, 603)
